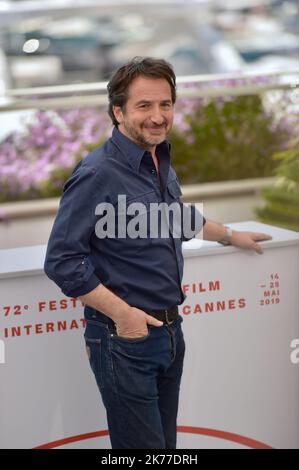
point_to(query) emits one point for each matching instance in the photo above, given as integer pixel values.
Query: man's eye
(143, 106)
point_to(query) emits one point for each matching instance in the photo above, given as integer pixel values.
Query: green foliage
(226, 140)
(282, 200)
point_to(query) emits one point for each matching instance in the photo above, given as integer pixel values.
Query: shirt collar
(132, 151)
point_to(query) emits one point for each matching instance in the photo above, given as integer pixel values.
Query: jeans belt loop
(167, 319)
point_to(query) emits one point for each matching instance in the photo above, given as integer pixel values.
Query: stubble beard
(140, 139)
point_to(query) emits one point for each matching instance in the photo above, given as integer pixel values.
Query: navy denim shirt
(145, 272)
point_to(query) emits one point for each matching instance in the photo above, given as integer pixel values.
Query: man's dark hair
(139, 66)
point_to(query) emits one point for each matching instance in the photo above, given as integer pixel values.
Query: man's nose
(157, 117)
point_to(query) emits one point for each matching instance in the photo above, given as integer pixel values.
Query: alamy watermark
(294, 356)
(148, 220)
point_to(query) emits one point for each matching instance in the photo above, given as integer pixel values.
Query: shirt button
(153, 172)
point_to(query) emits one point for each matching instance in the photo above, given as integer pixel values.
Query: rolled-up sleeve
(67, 261)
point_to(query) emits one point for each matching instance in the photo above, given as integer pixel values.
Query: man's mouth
(156, 129)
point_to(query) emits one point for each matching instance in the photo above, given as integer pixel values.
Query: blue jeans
(139, 381)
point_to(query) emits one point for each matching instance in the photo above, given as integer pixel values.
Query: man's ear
(117, 111)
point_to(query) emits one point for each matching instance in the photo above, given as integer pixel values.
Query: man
(131, 286)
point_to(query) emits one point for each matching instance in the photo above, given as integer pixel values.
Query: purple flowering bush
(36, 163)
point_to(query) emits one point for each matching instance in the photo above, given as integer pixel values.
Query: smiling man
(131, 286)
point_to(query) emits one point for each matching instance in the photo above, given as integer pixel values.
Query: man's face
(148, 115)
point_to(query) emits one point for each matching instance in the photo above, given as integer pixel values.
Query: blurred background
(80, 42)
(235, 138)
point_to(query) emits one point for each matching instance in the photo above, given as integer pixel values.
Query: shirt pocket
(175, 205)
(174, 189)
(135, 213)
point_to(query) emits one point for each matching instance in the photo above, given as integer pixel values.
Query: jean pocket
(116, 337)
